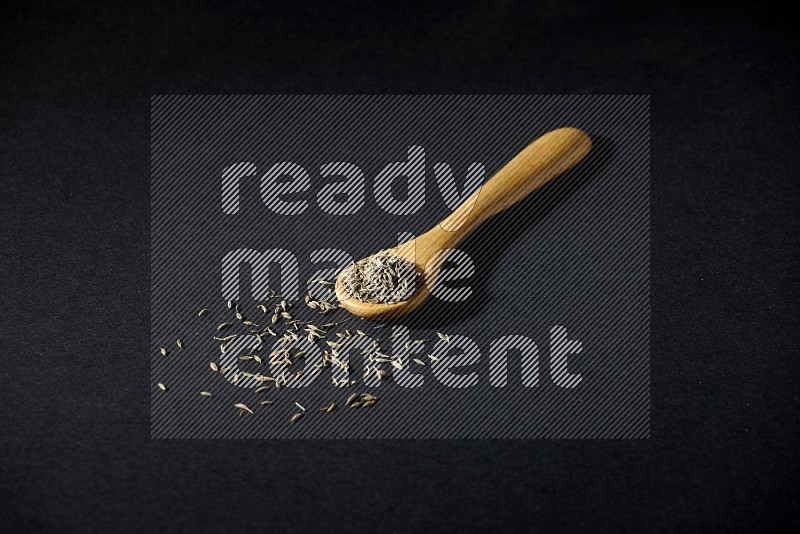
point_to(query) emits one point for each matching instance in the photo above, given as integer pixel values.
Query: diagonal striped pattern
(568, 265)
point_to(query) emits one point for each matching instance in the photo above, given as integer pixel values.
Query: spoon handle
(538, 163)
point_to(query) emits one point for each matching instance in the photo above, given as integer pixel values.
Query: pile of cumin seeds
(383, 278)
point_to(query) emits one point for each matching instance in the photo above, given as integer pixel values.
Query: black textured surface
(74, 102)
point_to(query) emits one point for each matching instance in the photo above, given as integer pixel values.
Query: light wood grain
(538, 163)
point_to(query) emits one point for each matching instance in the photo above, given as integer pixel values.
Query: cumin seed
(243, 406)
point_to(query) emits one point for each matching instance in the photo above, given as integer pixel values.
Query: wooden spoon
(538, 163)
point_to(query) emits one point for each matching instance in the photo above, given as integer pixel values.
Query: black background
(74, 120)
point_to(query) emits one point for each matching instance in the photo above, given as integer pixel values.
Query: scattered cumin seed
(206, 394)
(162, 387)
(214, 366)
(243, 406)
(179, 343)
(266, 402)
(223, 326)
(163, 351)
(202, 312)
(296, 417)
